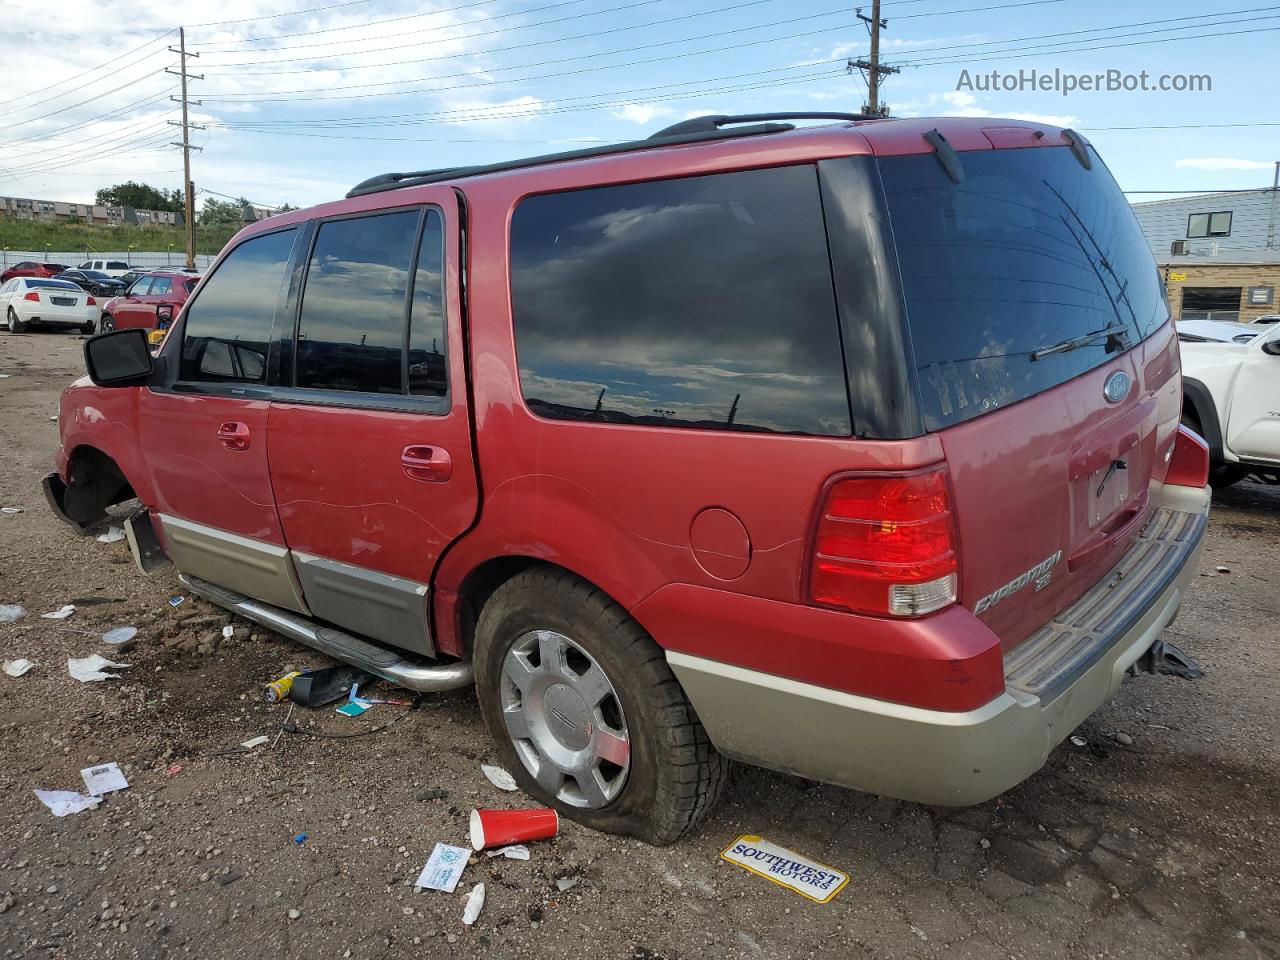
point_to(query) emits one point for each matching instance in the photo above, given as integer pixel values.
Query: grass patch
(34, 236)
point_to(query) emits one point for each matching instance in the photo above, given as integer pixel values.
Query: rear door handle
(234, 436)
(431, 464)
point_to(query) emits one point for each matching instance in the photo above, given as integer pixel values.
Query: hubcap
(565, 719)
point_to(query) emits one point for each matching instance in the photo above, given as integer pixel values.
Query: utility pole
(1271, 223)
(188, 188)
(872, 69)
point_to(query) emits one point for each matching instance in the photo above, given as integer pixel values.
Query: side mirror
(1272, 347)
(121, 358)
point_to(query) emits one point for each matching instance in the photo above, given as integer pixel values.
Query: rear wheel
(88, 327)
(586, 713)
(15, 325)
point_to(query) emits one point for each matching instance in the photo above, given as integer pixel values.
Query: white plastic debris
(254, 743)
(498, 777)
(228, 632)
(104, 778)
(88, 669)
(443, 869)
(63, 802)
(113, 535)
(10, 509)
(1221, 569)
(564, 884)
(16, 668)
(1079, 741)
(120, 635)
(10, 612)
(518, 852)
(475, 903)
(66, 610)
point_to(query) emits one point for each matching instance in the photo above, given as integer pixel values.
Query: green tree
(140, 196)
(223, 211)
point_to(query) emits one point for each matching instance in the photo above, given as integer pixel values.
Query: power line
(31, 93)
(277, 16)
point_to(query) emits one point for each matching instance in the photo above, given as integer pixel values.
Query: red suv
(851, 451)
(150, 303)
(30, 268)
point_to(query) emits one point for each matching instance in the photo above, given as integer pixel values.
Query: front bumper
(961, 758)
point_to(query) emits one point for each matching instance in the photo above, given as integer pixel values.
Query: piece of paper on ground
(16, 668)
(88, 669)
(103, 778)
(444, 868)
(63, 802)
(498, 777)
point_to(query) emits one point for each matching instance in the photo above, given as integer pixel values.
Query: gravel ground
(1159, 838)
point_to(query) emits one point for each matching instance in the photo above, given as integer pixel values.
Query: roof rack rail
(696, 130)
(713, 122)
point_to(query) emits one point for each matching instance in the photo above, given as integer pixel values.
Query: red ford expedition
(851, 451)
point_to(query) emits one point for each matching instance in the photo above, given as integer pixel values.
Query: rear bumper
(959, 758)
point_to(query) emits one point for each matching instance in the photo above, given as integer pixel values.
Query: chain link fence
(140, 259)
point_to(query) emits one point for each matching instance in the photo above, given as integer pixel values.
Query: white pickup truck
(1231, 397)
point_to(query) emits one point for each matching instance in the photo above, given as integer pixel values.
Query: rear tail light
(33, 296)
(90, 302)
(886, 545)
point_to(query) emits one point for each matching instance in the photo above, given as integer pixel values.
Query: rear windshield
(58, 284)
(1030, 252)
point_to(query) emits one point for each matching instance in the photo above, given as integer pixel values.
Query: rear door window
(702, 302)
(160, 286)
(1031, 272)
(228, 326)
(352, 325)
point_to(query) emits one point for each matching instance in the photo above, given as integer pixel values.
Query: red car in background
(29, 268)
(150, 303)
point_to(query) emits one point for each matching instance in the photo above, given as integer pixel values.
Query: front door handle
(234, 436)
(431, 464)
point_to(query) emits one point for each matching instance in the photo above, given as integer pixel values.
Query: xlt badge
(1040, 575)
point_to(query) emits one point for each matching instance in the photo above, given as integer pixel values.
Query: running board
(381, 662)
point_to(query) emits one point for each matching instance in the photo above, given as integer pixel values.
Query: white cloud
(1223, 163)
(960, 103)
(641, 113)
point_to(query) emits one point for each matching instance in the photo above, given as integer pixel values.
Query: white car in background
(27, 301)
(1217, 331)
(112, 268)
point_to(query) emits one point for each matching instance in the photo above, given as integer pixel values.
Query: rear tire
(88, 328)
(15, 325)
(672, 774)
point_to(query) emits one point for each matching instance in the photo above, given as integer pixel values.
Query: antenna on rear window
(946, 155)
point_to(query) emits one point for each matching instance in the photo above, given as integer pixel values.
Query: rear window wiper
(1117, 330)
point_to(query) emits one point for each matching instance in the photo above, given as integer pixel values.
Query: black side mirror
(121, 358)
(1272, 347)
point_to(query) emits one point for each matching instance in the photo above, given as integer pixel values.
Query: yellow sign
(1176, 277)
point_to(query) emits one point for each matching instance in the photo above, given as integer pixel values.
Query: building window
(1209, 225)
(1211, 303)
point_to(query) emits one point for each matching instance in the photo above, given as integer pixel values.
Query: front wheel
(15, 325)
(108, 323)
(586, 713)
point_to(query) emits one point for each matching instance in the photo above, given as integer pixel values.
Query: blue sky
(303, 98)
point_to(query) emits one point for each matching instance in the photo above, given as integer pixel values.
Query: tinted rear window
(700, 302)
(1030, 251)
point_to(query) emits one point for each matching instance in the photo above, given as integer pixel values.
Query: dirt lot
(1160, 838)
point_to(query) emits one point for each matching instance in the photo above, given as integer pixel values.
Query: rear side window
(1031, 272)
(228, 326)
(117, 265)
(702, 302)
(351, 329)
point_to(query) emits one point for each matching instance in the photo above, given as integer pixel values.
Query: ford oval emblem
(1117, 387)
